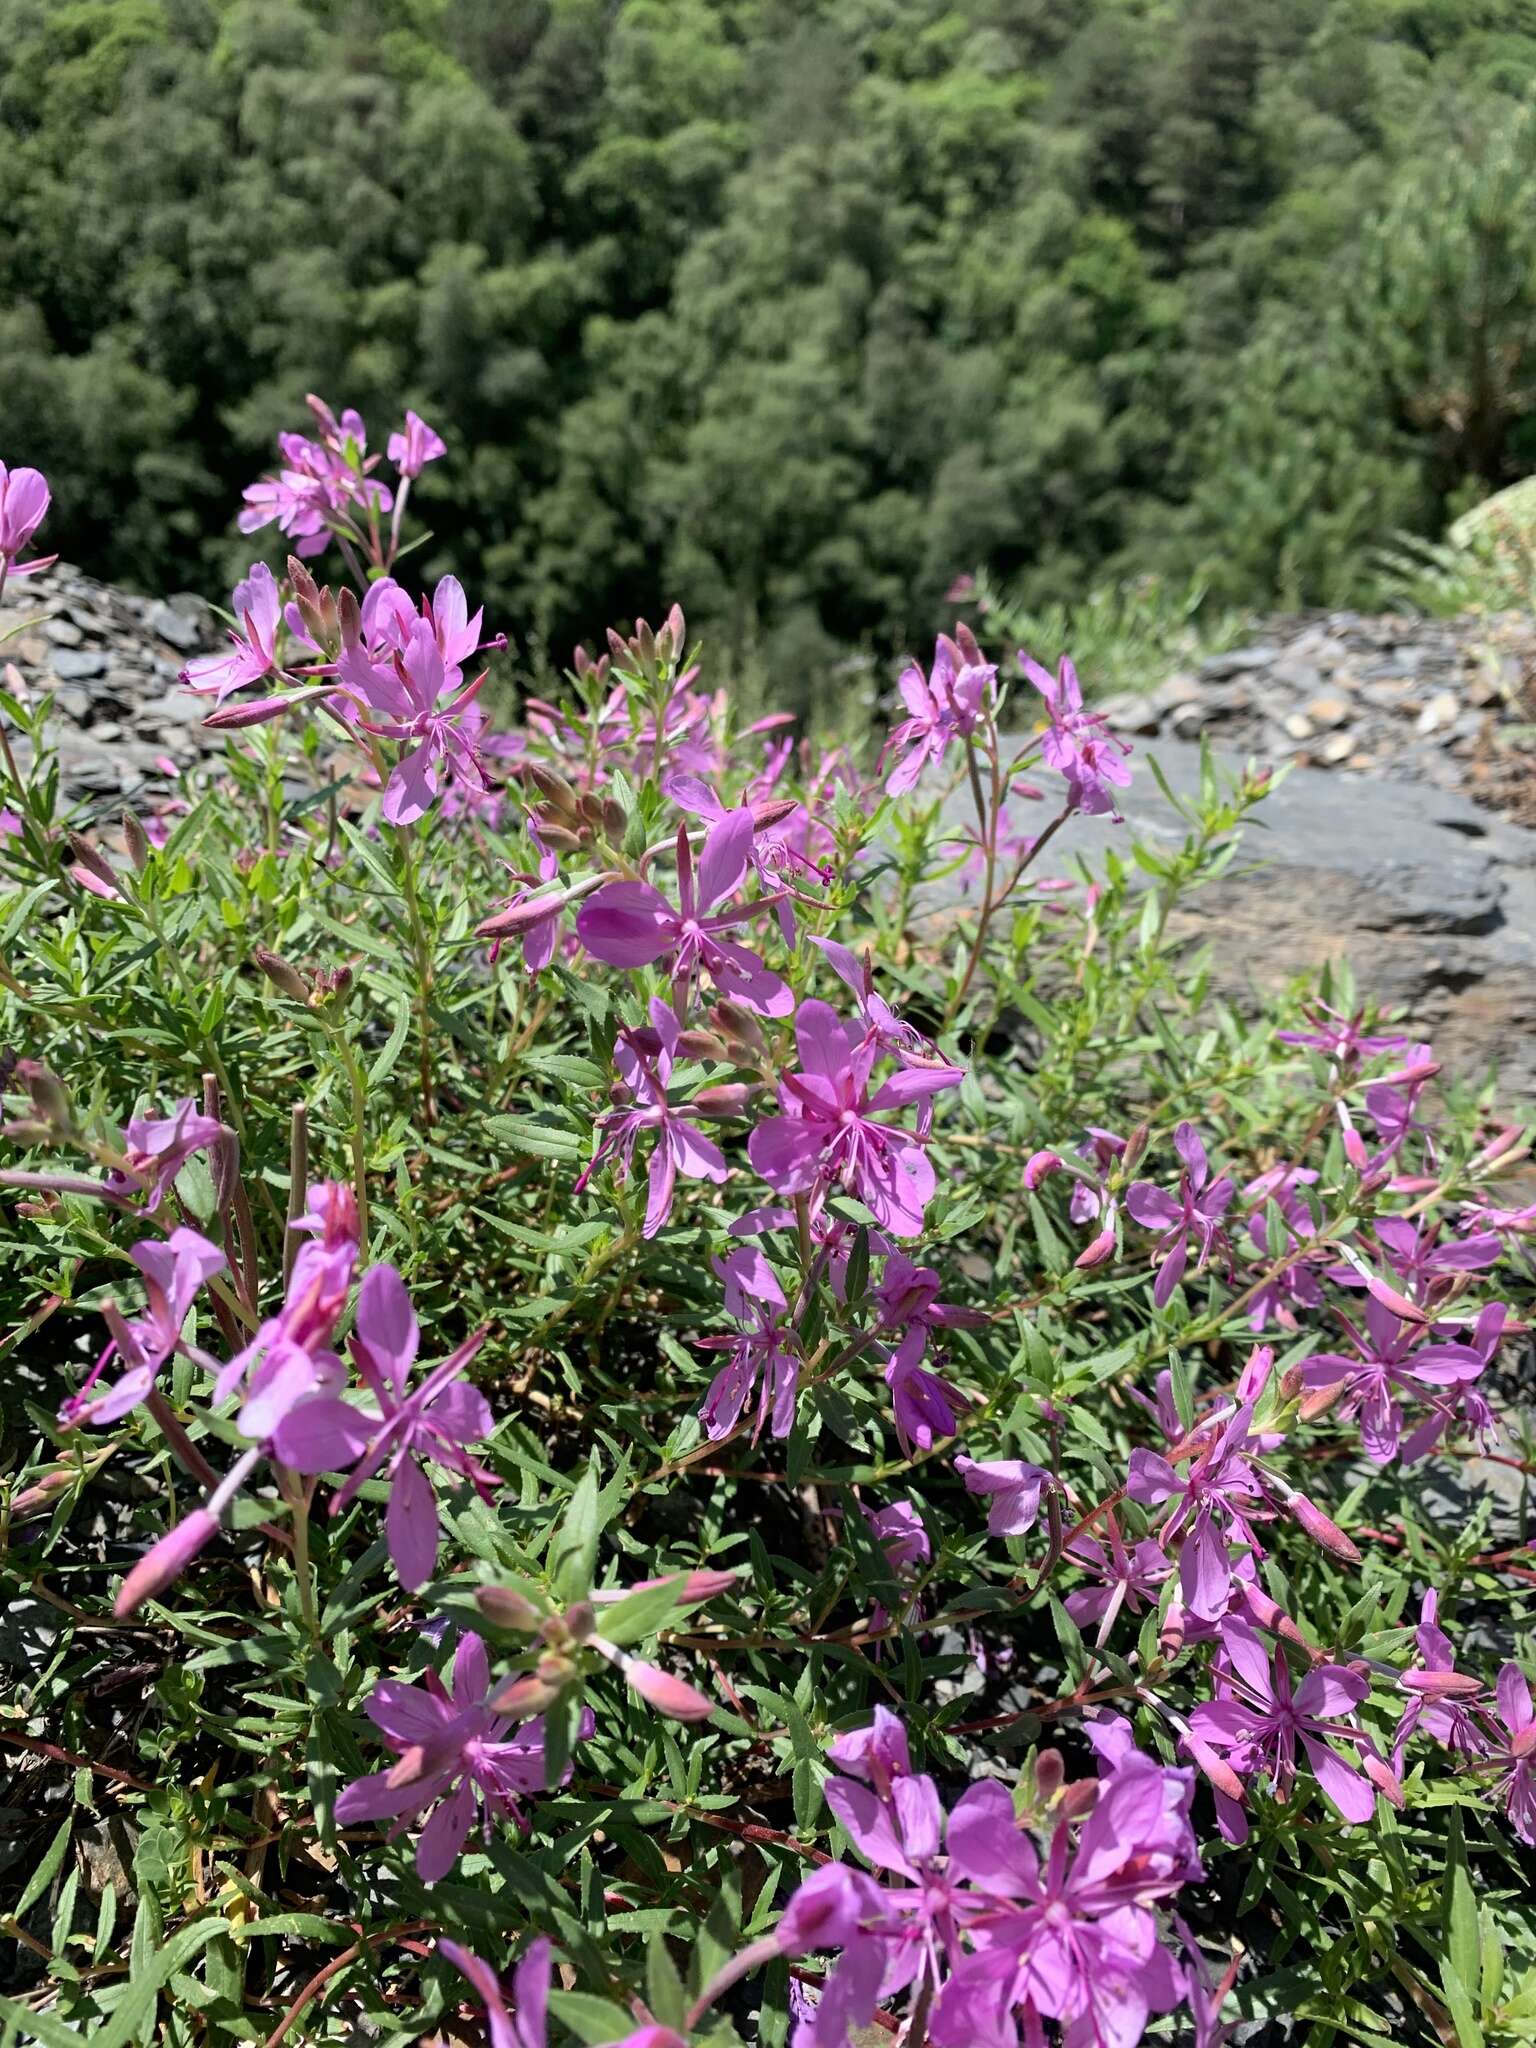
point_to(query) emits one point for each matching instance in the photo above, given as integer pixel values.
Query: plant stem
(296, 1493)
(359, 1134)
(422, 953)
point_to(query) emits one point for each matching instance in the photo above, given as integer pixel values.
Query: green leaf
(640, 1614)
(573, 1549)
(663, 1987)
(46, 1871)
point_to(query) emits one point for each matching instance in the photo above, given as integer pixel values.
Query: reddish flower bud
(773, 810)
(503, 1607)
(282, 974)
(1321, 1529)
(136, 839)
(668, 1695)
(165, 1561)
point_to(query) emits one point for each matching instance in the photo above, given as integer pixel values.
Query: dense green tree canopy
(793, 308)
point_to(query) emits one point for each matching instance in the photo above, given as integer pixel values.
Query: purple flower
(1079, 745)
(434, 1423)
(1130, 1578)
(24, 498)
(830, 1135)
(1212, 1505)
(1296, 1287)
(454, 1759)
(644, 1060)
(1392, 1363)
(320, 483)
(411, 451)
(174, 1271)
(1438, 1694)
(422, 702)
(908, 1299)
(253, 641)
(1428, 1268)
(924, 1407)
(759, 1356)
(631, 924)
(901, 1535)
(942, 707)
(1015, 1488)
(1257, 1719)
(1339, 1036)
(157, 1148)
(526, 2023)
(1515, 1754)
(1196, 1208)
(289, 1359)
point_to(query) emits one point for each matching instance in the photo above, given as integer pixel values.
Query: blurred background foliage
(794, 309)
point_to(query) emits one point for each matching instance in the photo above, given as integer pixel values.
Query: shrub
(660, 1398)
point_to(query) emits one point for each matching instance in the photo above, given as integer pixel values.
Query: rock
(1328, 711)
(1438, 713)
(1432, 900)
(174, 622)
(1337, 748)
(1179, 689)
(1298, 726)
(71, 667)
(63, 632)
(1134, 711)
(1239, 661)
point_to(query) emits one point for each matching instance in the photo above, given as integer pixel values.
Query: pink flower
(419, 702)
(908, 1300)
(831, 1134)
(1338, 1036)
(24, 499)
(1079, 745)
(1014, 1488)
(1212, 1504)
(942, 707)
(1393, 1364)
(631, 924)
(524, 2024)
(258, 612)
(289, 1359)
(455, 1759)
(174, 1270)
(432, 1424)
(1438, 1695)
(760, 1357)
(644, 1060)
(1515, 1754)
(1195, 1209)
(1257, 1719)
(411, 451)
(320, 483)
(924, 1407)
(157, 1148)
(905, 1543)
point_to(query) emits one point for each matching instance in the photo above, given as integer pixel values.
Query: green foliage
(805, 311)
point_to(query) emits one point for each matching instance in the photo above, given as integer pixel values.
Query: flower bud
(614, 821)
(556, 837)
(618, 648)
(1321, 1529)
(521, 915)
(1095, 1253)
(282, 974)
(93, 861)
(738, 1027)
(726, 1098)
(301, 582)
(522, 1697)
(224, 1164)
(1037, 1166)
(773, 810)
(504, 1607)
(1050, 1775)
(136, 839)
(580, 1620)
(1441, 1685)
(668, 1695)
(259, 711)
(165, 1561)
(702, 1045)
(50, 1098)
(644, 643)
(349, 617)
(965, 640)
(1135, 1145)
(551, 785)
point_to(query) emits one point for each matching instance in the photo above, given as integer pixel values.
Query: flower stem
(296, 1493)
(359, 1133)
(422, 953)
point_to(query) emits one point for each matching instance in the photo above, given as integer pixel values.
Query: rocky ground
(110, 661)
(1451, 703)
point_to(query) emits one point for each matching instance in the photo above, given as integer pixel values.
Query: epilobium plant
(658, 1399)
